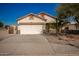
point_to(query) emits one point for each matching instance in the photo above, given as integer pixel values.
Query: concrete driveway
(30, 45)
(25, 45)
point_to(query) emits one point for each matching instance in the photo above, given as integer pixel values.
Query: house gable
(49, 18)
(31, 18)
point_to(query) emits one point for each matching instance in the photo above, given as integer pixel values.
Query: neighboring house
(72, 26)
(77, 26)
(34, 24)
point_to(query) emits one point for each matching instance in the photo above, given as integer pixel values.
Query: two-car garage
(30, 29)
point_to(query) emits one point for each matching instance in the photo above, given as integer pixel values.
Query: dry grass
(55, 39)
(75, 37)
(70, 37)
(62, 39)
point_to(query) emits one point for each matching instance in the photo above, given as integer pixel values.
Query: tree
(59, 24)
(7, 26)
(66, 12)
(1, 24)
(69, 10)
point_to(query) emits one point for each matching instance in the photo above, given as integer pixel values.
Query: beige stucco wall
(49, 19)
(34, 20)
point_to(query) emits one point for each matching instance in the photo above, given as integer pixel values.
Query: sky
(9, 12)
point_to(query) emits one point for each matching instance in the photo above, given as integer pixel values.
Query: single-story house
(34, 24)
(74, 26)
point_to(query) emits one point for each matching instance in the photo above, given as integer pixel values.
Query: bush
(1, 24)
(7, 26)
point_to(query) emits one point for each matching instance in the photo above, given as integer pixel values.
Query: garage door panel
(31, 29)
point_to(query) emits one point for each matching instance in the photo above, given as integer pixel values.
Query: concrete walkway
(37, 45)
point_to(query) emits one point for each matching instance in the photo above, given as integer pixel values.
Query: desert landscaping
(40, 45)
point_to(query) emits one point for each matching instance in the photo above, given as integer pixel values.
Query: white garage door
(30, 29)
